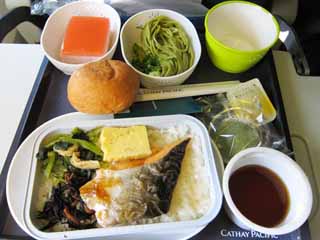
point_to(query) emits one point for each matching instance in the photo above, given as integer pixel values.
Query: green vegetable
(56, 165)
(50, 163)
(94, 134)
(145, 63)
(83, 143)
(65, 161)
(61, 145)
(52, 138)
(59, 169)
(78, 133)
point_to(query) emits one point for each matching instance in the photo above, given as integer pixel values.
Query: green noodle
(165, 48)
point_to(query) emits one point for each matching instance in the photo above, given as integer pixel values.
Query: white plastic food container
(130, 34)
(167, 231)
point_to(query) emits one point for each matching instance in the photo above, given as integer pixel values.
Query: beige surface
(29, 32)
(19, 67)
(302, 103)
(287, 9)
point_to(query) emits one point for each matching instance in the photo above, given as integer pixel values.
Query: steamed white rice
(191, 197)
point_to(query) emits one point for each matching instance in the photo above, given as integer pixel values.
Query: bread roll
(103, 87)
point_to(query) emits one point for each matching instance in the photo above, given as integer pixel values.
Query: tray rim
(46, 66)
(304, 229)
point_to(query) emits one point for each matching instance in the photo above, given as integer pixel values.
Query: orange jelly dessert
(85, 39)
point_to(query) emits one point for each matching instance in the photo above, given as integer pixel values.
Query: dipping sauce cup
(293, 178)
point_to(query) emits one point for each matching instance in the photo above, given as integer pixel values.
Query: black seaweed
(78, 133)
(42, 153)
(65, 204)
(85, 154)
(170, 166)
(78, 177)
(166, 177)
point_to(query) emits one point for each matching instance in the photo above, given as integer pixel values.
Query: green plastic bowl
(238, 34)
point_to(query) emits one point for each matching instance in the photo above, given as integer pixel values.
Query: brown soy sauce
(260, 195)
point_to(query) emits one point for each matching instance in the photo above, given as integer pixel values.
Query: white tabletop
(19, 64)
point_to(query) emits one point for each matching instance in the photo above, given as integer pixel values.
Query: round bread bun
(103, 87)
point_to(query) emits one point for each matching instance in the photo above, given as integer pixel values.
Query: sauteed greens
(57, 151)
(56, 155)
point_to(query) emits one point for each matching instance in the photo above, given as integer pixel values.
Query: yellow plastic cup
(238, 34)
